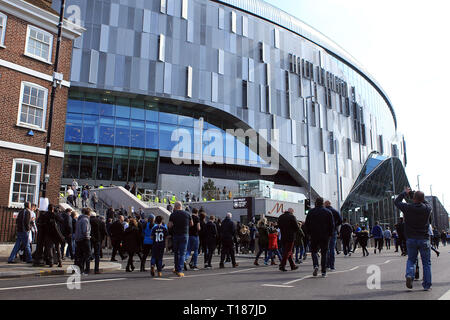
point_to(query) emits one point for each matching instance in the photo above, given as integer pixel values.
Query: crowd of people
(188, 233)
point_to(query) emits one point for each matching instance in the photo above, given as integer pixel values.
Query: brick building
(28, 39)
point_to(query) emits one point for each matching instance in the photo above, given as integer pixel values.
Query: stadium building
(146, 68)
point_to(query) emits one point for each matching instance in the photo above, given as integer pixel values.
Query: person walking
(179, 222)
(159, 234)
(84, 197)
(401, 237)
(210, 241)
(94, 200)
(263, 239)
(110, 214)
(148, 244)
(67, 231)
(83, 238)
(227, 234)
(387, 238)
(444, 238)
(193, 242)
(377, 234)
(103, 235)
(132, 241)
(202, 234)
(95, 240)
(346, 236)
(273, 247)
(417, 219)
(436, 237)
(299, 244)
(23, 228)
(253, 230)
(332, 245)
(363, 238)
(116, 232)
(70, 196)
(288, 227)
(54, 237)
(431, 234)
(355, 231)
(320, 226)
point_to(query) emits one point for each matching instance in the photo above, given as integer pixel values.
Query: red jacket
(273, 241)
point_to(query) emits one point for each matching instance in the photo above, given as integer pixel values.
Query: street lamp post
(57, 77)
(418, 184)
(201, 160)
(337, 176)
(308, 147)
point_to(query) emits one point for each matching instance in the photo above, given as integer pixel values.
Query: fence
(7, 224)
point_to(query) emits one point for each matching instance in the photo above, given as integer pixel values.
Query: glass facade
(372, 197)
(115, 139)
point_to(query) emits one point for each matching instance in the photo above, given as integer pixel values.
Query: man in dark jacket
(400, 227)
(110, 213)
(179, 222)
(346, 235)
(332, 245)
(320, 226)
(227, 234)
(96, 240)
(23, 227)
(210, 234)
(67, 230)
(288, 227)
(103, 235)
(417, 220)
(117, 231)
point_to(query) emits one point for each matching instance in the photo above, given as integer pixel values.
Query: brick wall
(10, 87)
(6, 159)
(7, 225)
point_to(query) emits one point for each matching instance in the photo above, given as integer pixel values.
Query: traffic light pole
(56, 78)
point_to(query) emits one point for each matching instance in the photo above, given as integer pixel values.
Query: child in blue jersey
(159, 234)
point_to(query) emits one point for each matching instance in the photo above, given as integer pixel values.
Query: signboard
(245, 203)
(241, 203)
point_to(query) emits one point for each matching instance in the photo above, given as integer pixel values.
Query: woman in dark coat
(263, 239)
(132, 242)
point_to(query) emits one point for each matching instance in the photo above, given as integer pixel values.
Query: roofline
(274, 15)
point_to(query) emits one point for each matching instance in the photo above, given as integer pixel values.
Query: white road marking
(277, 285)
(296, 280)
(332, 272)
(446, 296)
(59, 284)
(212, 274)
(166, 279)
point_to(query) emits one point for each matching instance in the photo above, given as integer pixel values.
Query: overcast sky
(405, 45)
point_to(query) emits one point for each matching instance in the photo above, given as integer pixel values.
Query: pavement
(247, 282)
(20, 269)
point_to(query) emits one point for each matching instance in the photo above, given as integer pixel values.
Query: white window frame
(44, 115)
(50, 49)
(3, 33)
(12, 180)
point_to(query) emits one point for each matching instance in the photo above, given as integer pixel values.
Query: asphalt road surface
(247, 282)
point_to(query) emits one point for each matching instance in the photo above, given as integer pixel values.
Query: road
(246, 282)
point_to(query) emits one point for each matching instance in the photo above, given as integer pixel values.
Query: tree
(209, 189)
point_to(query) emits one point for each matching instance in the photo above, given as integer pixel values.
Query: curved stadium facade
(146, 68)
